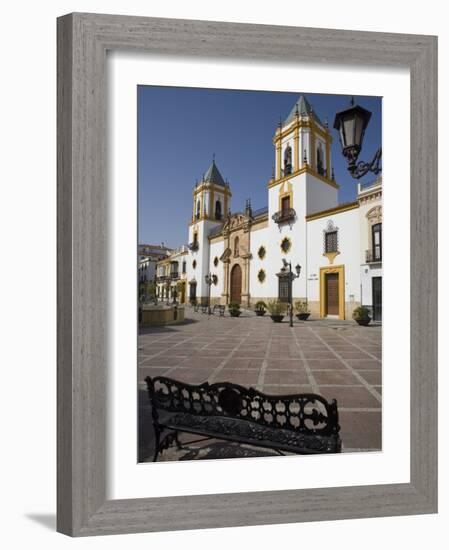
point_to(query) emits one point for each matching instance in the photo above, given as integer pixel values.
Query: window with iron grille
(331, 241)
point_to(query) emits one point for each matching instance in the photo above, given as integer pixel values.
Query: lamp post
(351, 124)
(291, 276)
(209, 278)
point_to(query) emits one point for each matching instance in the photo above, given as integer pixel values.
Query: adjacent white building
(148, 256)
(338, 246)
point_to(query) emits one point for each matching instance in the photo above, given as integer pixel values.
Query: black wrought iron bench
(220, 308)
(302, 423)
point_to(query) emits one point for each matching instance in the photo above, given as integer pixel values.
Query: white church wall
(258, 290)
(216, 251)
(320, 195)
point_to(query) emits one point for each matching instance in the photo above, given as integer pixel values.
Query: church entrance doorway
(236, 284)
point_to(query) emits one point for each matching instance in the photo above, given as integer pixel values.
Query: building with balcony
(171, 276)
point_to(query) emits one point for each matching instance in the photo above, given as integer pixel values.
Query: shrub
(276, 307)
(301, 306)
(361, 312)
(260, 305)
(234, 306)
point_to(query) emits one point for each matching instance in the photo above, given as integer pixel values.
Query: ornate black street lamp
(209, 278)
(351, 124)
(291, 276)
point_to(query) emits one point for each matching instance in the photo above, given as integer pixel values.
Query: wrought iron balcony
(284, 216)
(174, 275)
(373, 256)
(161, 278)
(193, 246)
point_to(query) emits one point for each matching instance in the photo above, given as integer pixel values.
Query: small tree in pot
(277, 310)
(234, 309)
(260, 308)
(302, 311)
(361, 315)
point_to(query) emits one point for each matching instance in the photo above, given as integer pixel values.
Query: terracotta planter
(302, 316)
(260, 312)
(364, 322)
(277, 318)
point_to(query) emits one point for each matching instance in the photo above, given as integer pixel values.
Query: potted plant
(361, 315)
(302, 311)
(234, 309)
(277, 310)
(260, 308)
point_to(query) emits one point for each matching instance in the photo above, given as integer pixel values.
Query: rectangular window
(331, 241)
(377, 241)
(284, 289)
(285, 203)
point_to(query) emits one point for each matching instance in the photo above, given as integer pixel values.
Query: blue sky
(179, 129)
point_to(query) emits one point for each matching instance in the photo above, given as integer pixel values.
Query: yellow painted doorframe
(340, 270)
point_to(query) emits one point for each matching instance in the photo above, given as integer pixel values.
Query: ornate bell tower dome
(211, 201)
(211, 196)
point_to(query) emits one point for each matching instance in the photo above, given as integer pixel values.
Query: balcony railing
(283, 216)
(161, 278)
(373, 256)
(193, 246)
(174, 275)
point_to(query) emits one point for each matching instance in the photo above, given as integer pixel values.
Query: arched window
(320, 160)
(236, 247)
(198, 209)
(287, 160)
(218, 210)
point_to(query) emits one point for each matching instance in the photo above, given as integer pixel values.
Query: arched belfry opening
(218, 212)
(287, 160)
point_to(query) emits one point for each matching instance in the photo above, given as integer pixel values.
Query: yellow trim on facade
(331, 256)
(335, 210)
(305, 169)
(286, 193)
(296, 165)
(300, 124)
(278, 160)
(340, 270)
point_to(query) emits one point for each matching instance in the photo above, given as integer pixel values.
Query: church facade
(338, 246)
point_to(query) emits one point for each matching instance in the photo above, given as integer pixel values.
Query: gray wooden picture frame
(83, 40)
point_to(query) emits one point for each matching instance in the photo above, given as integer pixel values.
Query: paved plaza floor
(336, 359)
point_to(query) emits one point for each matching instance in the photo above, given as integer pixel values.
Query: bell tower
(302, 143)
(211, 196)
(211, 202)
(302, 183)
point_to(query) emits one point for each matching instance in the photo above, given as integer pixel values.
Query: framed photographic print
(243, 211)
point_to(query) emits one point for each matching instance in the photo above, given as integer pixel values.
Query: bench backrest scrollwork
(304, 413)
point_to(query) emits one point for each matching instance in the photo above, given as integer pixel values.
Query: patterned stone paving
(337, 359)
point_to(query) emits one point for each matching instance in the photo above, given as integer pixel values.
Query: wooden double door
(236, 284)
